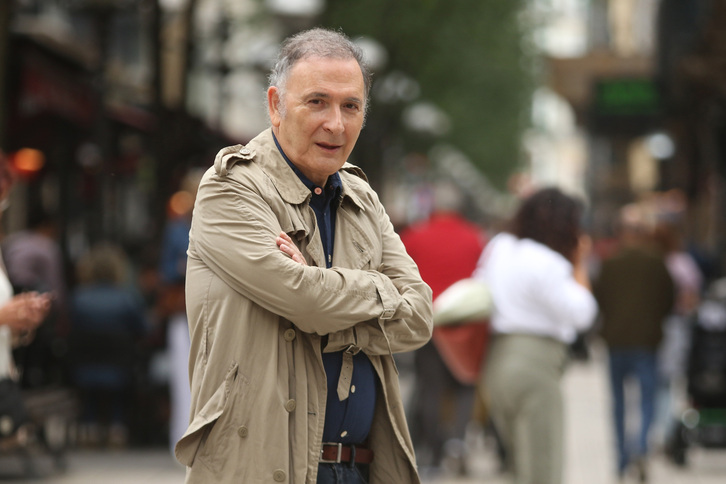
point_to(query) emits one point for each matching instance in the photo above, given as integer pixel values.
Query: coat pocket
(188, 446)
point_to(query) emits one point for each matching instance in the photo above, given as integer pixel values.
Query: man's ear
(273, 105)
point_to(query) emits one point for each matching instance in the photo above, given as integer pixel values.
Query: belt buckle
(352, 350)
(338, 457)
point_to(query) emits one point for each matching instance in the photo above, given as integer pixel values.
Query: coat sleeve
(233, 233)
(412, 324)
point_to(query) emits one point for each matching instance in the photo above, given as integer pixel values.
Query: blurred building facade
(117, 99)
(79, 118)
(633, 109)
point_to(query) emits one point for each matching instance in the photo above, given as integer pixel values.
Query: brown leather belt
(334, 453)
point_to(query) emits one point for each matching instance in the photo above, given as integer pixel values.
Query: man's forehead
(325, 67)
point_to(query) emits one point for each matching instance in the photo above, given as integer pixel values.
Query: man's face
(324, 101)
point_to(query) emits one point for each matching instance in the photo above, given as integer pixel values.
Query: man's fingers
(286, 245)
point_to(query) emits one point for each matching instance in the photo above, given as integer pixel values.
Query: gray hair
(317, 42)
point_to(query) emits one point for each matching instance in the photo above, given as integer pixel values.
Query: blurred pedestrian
(108, 319)
(172, 270)
(635, 293)
(446, 248)
(20, 315)
(537, 275)
(674, 348)
(33, 257)
(298, 292)
(34, 263)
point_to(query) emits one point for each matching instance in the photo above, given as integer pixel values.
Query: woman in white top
(536, 273)
(19, 315)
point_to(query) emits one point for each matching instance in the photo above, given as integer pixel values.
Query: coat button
(246, 153)
(289, 334)
(242, 431)
(290, 405)
(279, 475)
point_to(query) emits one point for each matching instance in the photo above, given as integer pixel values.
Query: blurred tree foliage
(470, 59)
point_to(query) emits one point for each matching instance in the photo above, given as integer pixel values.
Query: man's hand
(285, 243)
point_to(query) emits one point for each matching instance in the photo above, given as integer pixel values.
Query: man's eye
(352, 107)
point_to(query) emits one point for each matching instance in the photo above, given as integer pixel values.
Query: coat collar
(262, 150)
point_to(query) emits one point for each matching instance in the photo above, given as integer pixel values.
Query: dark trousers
(343, 473)
(442, 406)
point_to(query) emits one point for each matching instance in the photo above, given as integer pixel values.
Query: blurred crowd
(101, 345)
(117, 334)
(639, 292)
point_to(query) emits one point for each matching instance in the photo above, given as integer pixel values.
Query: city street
(589, 451)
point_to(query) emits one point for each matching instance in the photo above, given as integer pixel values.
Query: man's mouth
(328, 147)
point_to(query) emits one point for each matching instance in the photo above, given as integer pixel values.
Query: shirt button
(279, 475)
(242, 431)
(352, 389)
(318, 190)
(289, 334)
(344, 433)
(290, 405)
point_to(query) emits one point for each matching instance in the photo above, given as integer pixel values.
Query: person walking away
(536, 272)
(299, 292)
(446, 248)
(635, 294)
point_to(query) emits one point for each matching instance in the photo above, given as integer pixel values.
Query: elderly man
(299, 292)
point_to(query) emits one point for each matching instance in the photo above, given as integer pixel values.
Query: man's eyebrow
(324, 95)
(317, 94)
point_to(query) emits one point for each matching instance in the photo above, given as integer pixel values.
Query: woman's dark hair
(552, 218)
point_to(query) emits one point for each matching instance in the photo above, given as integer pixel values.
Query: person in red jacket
(446, 248)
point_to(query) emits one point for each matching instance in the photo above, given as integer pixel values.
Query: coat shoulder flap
(231, 155)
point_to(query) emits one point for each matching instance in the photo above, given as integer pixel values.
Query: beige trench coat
(256, 319)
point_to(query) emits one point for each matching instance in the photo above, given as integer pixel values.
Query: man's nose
(334, 121)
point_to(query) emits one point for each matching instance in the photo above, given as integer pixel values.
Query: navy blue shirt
(348, 421)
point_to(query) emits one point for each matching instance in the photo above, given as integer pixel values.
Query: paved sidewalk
(137, 466)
